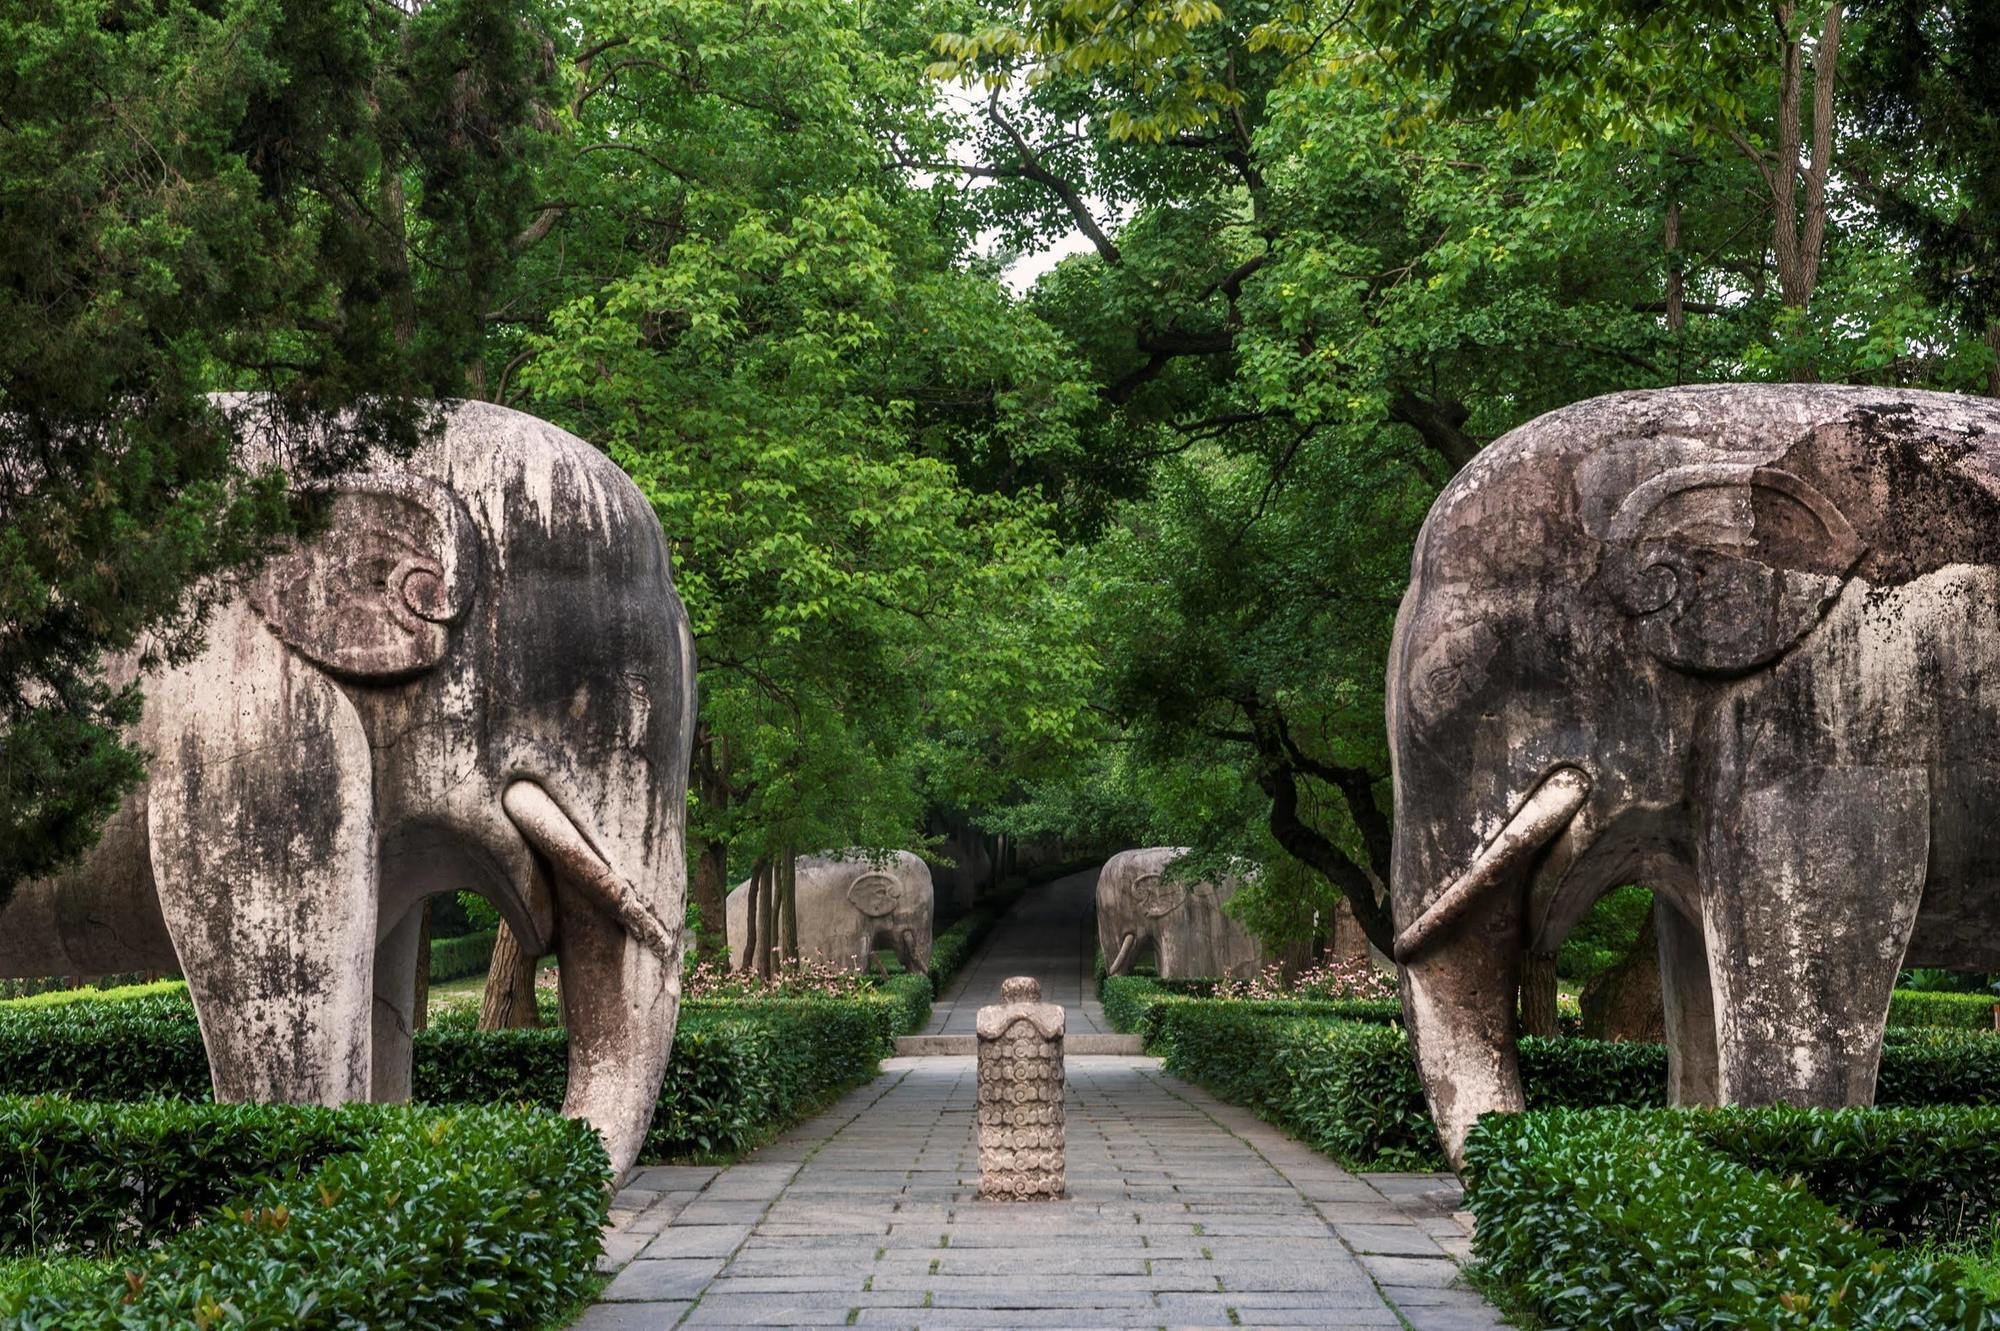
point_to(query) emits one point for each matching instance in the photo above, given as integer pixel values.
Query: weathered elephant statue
(850, 905)
(1138, 905)
(1740, 644)
(476, 675)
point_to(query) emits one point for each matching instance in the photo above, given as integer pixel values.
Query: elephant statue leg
(394, 1015)
(263, 846)
(1810, 883)
(1690, 1008)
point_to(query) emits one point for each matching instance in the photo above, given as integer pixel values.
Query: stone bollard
(1021, 1095)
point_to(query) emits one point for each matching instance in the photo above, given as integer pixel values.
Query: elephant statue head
(1141, 905)
(475, 674)
(850, 906)
(1735, 643)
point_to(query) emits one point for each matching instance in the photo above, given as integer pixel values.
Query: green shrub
(119, 994)
(266, 1215)
(1605, 935)
(739, 1072)
(1917, 1007)
(1137, 1005)
(461, 958)
(1683, 1219)
(1350, 1089)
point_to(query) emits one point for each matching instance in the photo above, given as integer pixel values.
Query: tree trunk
(710, 888)
(1676, 281)
(1538, 995)
(1625, 1002)
(788, 906)
(420, 1009)
(767, 919)
(509, 1000)
(752, 918)
(1993, 369)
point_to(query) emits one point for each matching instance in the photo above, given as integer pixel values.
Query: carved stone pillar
(1021, 1095)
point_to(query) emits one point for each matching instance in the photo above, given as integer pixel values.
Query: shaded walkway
(1051, 934)
(1184, 1212)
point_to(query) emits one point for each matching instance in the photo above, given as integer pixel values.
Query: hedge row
(462, 958)
(1351, 1090)
(1917, 1007)
(1632, 1221)
(1138, 1004)
(268, 1216)
(739, 1071)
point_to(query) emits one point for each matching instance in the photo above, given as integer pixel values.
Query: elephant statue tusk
(551, 831)
(1118, 963)
(1545, 813)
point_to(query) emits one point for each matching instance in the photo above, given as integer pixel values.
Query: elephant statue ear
(373, 594)
(875, 894)
(1726, 565)
(1156, 896)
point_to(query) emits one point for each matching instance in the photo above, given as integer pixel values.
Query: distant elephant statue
(476, 675)
(848, 907)
(1740, 644)
(1139, 905)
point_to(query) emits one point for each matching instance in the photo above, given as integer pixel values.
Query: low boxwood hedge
(1137, 1004)
(296, 1216)
(739, 1072)
(1350, 1089)
(1633, 1221)
(954, 947)
(462, 958)
(1917, 1007)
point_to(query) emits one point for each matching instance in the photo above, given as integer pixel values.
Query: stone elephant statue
(1740, 644)
(476, 675)
(849, 906)
(1138, 907)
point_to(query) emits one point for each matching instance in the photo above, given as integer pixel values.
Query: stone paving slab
(1184, 1213)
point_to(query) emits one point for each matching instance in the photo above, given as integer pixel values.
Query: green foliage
(457, 958)
(1350, 1088)
(792, 348)
(739, 1072)
(366, 1215)
(1143, 1005)
(1619, 1220)
(1972, 1012)
(308, 199)
(119, 994)
(1603, 937)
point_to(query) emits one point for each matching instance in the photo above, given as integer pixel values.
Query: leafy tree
(1307, 305)
(786, 342)
(302, 199)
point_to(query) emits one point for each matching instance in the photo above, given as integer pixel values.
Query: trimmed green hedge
(1351, 1090)
(462, 958)
(739, 1071)
(1917, 1007)
(1631, 1221)
(268, 1216)
(1140, 1004)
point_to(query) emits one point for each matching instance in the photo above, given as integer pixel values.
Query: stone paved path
(1050, 934)
(1184, 1212)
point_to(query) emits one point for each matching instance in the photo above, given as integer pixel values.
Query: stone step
(965, 1046)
